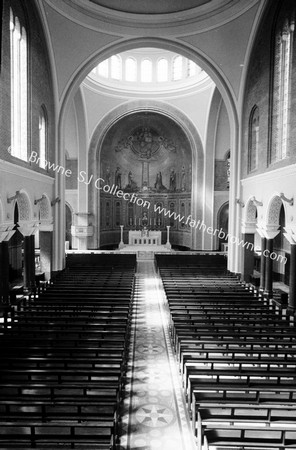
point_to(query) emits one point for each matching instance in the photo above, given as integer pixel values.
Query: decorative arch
(25, 207)
(223, 85)
(250, 212)
(45, 209)
(161, 108)
(273, 211)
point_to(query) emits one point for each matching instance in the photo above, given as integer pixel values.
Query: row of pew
(237, 357)
(63, 359)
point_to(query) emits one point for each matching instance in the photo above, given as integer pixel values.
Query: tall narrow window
(131, 69)
(146, 71)
(103, 68)
(162, 70)
(192, 68)
(42, 137)
(253, 138)
(19, 87)
(177, 68)
(116, 67)
(281, 90)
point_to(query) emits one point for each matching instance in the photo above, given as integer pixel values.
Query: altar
(144, 242)
(144, 237)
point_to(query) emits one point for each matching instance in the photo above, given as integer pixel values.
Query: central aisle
(155, 415)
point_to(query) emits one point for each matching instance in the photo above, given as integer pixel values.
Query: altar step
(145, 252)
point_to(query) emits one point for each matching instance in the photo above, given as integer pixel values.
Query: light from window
(146, 71)
(192, 68)
(19, 86)
(177, 68)
(116, 67)
(103, 68)
(42, 139)
(162, 70)
(131, 69)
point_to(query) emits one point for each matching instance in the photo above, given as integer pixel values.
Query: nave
(170, 354)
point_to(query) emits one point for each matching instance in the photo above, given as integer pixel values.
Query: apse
(148, 156)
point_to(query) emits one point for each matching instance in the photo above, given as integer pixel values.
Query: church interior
(147, 224)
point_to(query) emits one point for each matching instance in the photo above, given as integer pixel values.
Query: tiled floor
(155, 415)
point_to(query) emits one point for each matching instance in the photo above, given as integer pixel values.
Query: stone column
(45, 240)
(27, 231)
(27, 264)
(262, 265)
(269, 232)
(248, 237)
(268, 269)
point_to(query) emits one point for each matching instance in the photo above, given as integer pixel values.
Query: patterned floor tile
(156, 413)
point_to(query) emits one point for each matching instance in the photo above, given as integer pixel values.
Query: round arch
(186, 50)
(250, 216)
(45, 209)
(25, 207)
(273, 211)
(189, 130)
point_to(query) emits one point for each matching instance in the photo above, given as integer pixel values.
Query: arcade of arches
(178, 122)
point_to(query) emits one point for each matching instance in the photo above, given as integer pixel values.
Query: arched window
(146, 71)
(192, 68)
(42, 137)
(281, 88)
(19, 88)
(103, 68)
(177, 67)
(116, 67)
(162, 70)
(253, 145)
(131, 69)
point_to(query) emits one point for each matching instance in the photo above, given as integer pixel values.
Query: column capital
(268, 231)
(290, 234)
(249, 227)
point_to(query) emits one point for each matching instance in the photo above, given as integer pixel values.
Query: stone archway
(186, 128)
(273, 211)
(226, 94)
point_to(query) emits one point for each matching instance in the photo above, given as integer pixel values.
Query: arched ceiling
(150, 6)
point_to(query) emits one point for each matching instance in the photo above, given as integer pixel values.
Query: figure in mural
(118, 177)
(158, 183)
(183, 179)
(173, 180)
(131, 183)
